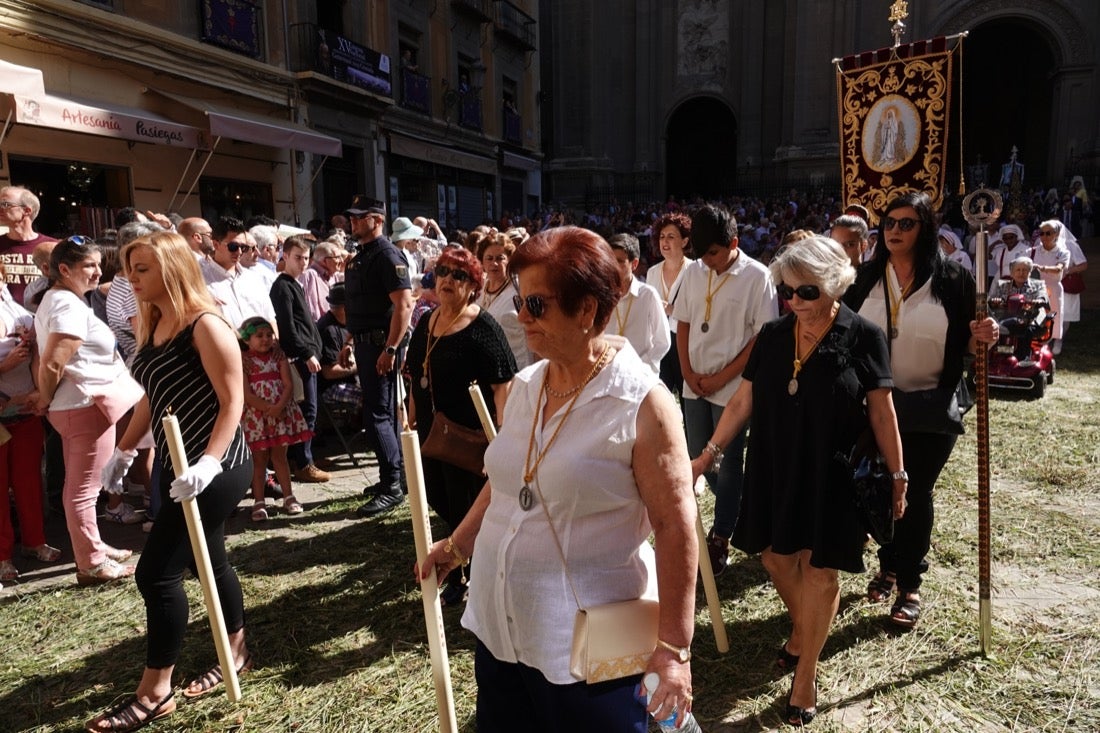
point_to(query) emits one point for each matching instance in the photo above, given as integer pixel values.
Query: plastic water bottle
(690, 725)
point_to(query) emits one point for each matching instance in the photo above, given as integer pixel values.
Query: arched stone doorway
(701, 149)
(1008, 98)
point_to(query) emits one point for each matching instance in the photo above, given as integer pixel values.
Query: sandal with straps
(881, 586)
(130, 715)
(785, 660)
(906, 609)
(212, 679)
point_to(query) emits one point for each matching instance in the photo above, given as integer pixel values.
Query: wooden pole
(981, 382)
(710, 587)
(429, 586)
(202, 562)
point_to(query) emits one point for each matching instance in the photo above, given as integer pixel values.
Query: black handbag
(873, 495)
(872, 487)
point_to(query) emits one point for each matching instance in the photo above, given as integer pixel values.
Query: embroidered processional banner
(894, 106)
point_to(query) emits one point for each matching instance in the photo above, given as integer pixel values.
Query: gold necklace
(792, 386)
(486, 300)
(711, 293)
(526, 496)
(666, 289)
(426, 367)
(621, 320)
(895, 304)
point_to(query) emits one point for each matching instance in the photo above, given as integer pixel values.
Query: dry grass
(336, 623)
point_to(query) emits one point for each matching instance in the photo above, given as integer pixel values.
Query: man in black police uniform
(379, 306)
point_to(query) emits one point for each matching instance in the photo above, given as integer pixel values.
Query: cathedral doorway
(1008, 98)
(701, 149)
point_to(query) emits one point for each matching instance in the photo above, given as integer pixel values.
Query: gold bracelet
(452, 549)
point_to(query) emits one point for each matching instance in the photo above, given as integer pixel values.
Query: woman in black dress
(809, 373)
(456, 344)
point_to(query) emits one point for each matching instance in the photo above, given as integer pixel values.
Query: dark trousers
(513, 697)
(168, 552)
(925, 456)
(670, 369)
(301, 454)
(379, 411)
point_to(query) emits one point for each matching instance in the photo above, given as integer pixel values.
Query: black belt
(372, 336)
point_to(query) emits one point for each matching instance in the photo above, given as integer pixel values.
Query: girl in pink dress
(272, 419)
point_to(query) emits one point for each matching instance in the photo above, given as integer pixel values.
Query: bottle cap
(650, 682)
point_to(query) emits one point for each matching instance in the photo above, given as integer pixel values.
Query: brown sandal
(129, 715)
(211, 679)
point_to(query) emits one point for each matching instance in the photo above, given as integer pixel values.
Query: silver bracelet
(716, 454)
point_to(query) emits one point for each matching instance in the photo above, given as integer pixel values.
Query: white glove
(196, 478)
(116, 468)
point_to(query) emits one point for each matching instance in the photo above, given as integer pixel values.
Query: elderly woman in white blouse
(1051, 259)
(590, 460)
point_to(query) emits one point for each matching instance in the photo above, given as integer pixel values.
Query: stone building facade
(648, 98)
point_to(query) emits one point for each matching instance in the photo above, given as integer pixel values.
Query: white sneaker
(122, 514)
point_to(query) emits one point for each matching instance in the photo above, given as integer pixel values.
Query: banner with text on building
(894, 106)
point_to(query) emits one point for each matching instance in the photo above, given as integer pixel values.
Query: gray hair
(265, 235)
(819, 261)
(136, 230)
(26, 198)
(321, 250)
(855, 223)
(1022, 260)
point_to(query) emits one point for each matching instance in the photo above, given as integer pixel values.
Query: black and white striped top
(173, 376)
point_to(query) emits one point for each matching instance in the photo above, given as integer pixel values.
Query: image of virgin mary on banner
(894, 107)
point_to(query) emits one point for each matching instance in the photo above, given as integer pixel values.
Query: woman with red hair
(454, 345)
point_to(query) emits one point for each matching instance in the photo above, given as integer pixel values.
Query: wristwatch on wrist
(683, 653)
(902, 474)
(391, 350)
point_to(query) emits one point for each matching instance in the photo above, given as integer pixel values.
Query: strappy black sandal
(130, 715)
(881, 586)
(212, 679)
(906, 609)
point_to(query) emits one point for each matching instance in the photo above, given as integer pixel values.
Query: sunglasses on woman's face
(805, 292)
(459, 276)
(536, 304)
(905, 223)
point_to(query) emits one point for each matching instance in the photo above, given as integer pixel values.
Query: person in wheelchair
(1020, 305)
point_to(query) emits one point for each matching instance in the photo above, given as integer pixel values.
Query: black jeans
(168, 552)
(925, 456)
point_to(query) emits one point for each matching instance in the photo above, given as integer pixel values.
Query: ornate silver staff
(981, 207)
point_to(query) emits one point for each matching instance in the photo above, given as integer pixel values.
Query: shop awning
(27, 102)
(249, 128)
(97, 118)
(22, 80)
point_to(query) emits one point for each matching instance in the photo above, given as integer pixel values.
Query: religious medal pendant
(792, 386)
(526, 498)
(893, 332)
(705, 327)
(423, 383)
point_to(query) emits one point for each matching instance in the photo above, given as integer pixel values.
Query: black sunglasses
(905, 223)
(233, 247)
(805, 292)
(459, 276)
(536, 304)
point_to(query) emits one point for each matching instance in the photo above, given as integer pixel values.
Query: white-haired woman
(1051, 259)
(809, 373)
